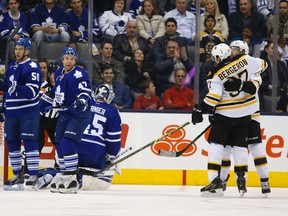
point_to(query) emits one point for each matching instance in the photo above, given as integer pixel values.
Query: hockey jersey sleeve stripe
(114, 133)
(93, 141)
(21, 100)
(235, 106)
(113, 140)
(21, 107)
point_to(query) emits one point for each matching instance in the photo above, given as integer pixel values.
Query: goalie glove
(197, 114)
(233, 84)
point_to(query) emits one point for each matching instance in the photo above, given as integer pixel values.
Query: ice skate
(32, 182)
(265, 188)
(14, 184)
(55, 183)
(224, 183)
(241, 184)
(213, 189)
(69, 185)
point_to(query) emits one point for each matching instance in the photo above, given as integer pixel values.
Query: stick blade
(166, 153)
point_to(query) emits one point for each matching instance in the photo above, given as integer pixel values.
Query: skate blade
(31, 187)
(54, 190)
(16, 187)
(242, 193)
(215, 193)
(265, 195)
(68, 190)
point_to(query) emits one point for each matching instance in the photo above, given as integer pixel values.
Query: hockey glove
(80, 104)
(197, 114)
(233, 84)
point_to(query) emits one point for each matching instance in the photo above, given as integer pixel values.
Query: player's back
(237, 103)
(105, 126)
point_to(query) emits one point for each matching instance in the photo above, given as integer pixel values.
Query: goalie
(100, 144)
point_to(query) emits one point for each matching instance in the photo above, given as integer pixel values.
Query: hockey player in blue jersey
(100, 143)
(21, 87)
(72, 94)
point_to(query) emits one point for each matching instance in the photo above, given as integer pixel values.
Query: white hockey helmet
(242, 45)
(105, 93)
(222, 50)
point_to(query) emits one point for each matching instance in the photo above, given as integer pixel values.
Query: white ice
(135, 200)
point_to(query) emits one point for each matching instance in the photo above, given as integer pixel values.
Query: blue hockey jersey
(56, 18)
(25, 98)
(80, 24)
(70, 86)
(8, 24)
(103, 132)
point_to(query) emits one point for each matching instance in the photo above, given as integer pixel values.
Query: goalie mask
(103, 92)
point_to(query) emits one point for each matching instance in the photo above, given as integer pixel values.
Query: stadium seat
(51, 50)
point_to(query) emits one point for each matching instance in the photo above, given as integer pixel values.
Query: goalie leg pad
(96, 183)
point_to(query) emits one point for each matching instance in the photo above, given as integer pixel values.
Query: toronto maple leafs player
(99, 146)
(72, 94)
(21, 87)
(101, 140)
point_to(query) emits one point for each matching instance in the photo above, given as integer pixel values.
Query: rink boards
(147, 167)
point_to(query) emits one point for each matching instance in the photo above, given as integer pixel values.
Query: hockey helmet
(25, 42)
(69, 51)
(242, 45)
(222, 50)
(103, 92)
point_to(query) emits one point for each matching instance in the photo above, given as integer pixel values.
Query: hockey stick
(179, 153)
(96, 173)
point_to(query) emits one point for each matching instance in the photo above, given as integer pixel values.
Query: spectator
(265, 91)
(148, 100)
(105, 57)
(126, 44)
(160, 45)
(248, 35)
(247, 16)
(179, 97)
(221, 25)
(136, 71)
(151, 24)
(265, 7)
(283, 18)
(192, 7)
(209, 38)
(78, 22)
(176, 58)
(122, 99)
(185, 20)
(8, 22)
(113, 22)
(11, 19)
(49, 23)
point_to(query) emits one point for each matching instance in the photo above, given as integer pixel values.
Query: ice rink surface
(135, 200)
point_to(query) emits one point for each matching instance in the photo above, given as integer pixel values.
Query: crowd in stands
(143, 44)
